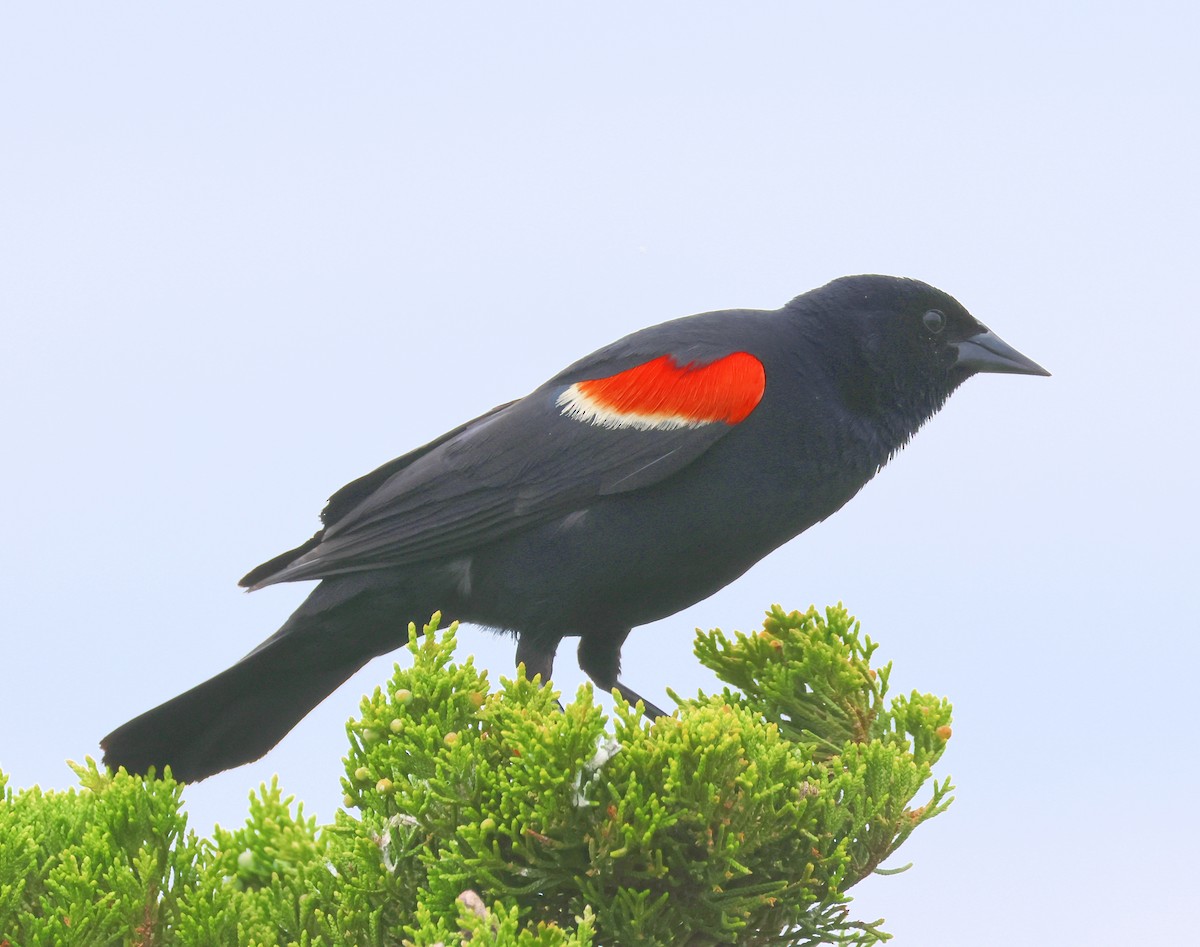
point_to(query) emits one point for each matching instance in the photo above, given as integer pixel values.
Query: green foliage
(811, 676)
(489, 815)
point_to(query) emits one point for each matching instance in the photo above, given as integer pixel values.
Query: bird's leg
(600, 659)
(537, 652)
(652, 711)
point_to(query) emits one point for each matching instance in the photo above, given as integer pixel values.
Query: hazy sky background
(249, 252)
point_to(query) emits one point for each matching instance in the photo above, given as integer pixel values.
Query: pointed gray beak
(987, 352)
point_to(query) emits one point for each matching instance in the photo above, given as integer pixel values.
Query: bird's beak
(987, 352)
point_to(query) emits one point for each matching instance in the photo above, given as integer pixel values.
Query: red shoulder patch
(663, 394)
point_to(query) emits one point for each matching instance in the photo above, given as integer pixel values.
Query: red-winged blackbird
(634, 483)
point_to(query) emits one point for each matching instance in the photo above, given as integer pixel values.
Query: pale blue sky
(248, 253)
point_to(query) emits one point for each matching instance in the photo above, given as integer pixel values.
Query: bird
(634, 483)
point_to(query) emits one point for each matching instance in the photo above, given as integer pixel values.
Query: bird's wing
(616, 422)
(347, 498)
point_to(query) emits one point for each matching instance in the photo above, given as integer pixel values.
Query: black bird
(634, 483)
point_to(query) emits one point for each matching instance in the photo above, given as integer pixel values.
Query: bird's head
(900, 321)
(904, 346)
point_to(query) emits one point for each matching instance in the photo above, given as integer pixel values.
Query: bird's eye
(934, 321)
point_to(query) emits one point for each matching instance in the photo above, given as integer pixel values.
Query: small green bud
(488, 825)
(384, 786)
(396, 725)
(403, 696)
(362, 774)
(450, 739)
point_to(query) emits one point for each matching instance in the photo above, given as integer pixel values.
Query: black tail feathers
(240, 714)
(230, 719)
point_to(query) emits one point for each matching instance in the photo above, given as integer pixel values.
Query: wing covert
(608, 425)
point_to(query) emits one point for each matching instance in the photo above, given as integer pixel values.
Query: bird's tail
(240, 714)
